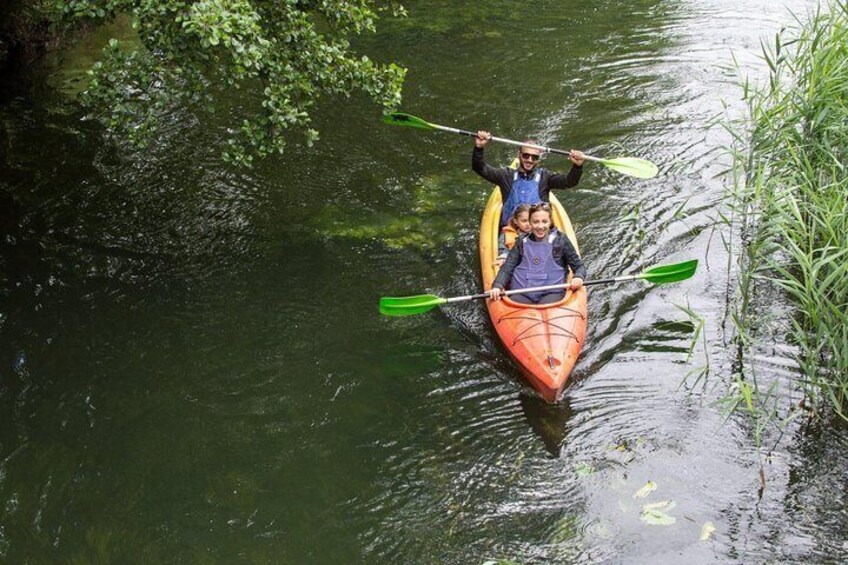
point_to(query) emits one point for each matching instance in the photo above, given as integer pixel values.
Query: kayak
(545, 340)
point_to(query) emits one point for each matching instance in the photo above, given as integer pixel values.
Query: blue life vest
(538, 267)
(524, 191)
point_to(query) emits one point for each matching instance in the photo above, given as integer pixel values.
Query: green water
(193, 369)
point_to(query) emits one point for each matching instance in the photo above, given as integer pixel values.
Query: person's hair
(541, 207)
(513, 220)
(527, 142)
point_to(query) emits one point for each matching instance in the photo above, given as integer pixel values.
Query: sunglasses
(531, 156)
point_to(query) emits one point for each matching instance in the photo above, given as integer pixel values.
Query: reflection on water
(193, 368)
(548, 421)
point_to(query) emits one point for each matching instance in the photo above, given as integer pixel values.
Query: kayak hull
(544, 341)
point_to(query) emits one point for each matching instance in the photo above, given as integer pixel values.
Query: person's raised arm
(559, 180)
(478, 163)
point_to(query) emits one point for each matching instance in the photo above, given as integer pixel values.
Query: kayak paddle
(418, 304)
(633, 166)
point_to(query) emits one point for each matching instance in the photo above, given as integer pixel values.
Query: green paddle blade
(408, 120)
(409, 305)
(633, 166)
(670, 273)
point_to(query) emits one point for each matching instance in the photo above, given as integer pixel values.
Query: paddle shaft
(631, 166)
(407, 306)
(541, 288)
(512, 142)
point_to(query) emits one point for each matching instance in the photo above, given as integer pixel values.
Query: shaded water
(193, 368)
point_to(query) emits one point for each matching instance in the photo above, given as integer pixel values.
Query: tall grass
(791, 202)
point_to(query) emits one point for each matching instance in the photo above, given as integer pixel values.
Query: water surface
(194, 369)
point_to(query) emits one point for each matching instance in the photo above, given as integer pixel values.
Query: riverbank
(27, 31)
(789, 199)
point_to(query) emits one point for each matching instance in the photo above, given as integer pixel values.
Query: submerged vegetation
(790, 202)
(437, 211)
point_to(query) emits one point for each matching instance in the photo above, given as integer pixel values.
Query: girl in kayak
(540, 259)
(518, 226)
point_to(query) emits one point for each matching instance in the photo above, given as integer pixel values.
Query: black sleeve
(502, 250)
(572, 259)
(512, 261)
(500, 177)
(558, 180)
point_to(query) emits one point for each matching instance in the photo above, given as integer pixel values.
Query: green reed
(790, 206)
(698, 323)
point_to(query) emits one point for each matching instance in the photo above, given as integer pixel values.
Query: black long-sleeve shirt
(564, 254)
(503, 176)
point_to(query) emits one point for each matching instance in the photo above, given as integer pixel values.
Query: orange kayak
(544, 340)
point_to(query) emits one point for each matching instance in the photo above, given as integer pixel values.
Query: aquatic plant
(789, 205)
(697, 322)
(436, 213)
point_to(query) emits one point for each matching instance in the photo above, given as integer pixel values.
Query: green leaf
(655, 513)
(647, 489)
(584, 469)
(193, 50)
(657, 518)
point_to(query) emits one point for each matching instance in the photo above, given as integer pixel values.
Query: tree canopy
(283, 53)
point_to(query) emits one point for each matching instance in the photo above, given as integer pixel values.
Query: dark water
(192, 367)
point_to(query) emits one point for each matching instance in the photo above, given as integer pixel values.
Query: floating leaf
(664, 504)
(707, 531)
(584, 469)
(649, 487)
(657, 518)
(654, 513)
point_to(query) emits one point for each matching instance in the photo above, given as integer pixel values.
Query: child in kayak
(518, 226)
(540, 259)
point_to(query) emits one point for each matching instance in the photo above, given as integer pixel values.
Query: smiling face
(528, 157)
(540, 223)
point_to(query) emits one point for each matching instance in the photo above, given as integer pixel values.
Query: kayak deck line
(548, 325)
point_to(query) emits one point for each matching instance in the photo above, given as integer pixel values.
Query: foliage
(792, 199)
(282, 54)
(655, 514)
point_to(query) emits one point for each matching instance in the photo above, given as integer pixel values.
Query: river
(193, 368)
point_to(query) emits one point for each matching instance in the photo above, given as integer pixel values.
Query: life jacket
(538, 266)
(524, 191)
(510, 236)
